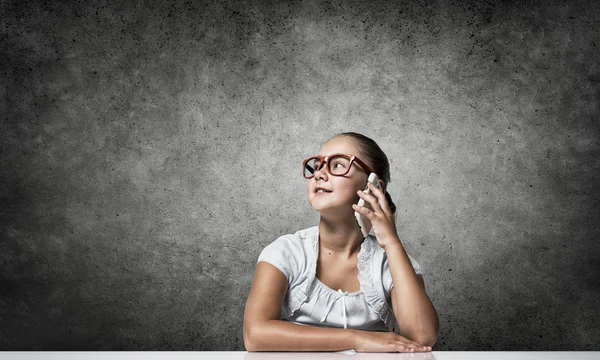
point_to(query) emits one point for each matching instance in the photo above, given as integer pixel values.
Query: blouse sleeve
(285, 254)
(388, 285)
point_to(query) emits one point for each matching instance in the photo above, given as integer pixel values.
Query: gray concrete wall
(150, 150)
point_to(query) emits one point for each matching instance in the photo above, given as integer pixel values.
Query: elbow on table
(249, 339)
(249, 346)
(426, 339)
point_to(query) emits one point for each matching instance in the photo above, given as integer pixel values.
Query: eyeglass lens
(337, 165)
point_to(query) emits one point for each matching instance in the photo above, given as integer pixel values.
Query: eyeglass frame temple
(367, 168)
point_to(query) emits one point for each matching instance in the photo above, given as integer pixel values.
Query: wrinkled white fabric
(309, 301)
(342, 296)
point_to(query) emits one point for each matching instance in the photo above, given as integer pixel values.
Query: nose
(321, 173)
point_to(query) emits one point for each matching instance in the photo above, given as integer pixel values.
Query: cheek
(309, 187)
(358, 185)
(347, 190)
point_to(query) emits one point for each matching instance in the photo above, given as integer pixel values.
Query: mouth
(322, 191)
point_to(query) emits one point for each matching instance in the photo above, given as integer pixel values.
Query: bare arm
(264, 331)
(414, 311)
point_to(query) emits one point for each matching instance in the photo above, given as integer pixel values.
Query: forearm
(279, 335)
(414, 311)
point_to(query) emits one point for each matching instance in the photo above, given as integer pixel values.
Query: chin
(328, 208)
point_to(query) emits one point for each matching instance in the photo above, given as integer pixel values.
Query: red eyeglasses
(337, 164)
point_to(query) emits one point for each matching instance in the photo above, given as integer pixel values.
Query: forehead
(339, 145)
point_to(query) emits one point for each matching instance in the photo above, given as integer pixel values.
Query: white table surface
(243, 355)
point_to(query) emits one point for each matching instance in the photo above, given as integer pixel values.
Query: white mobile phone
(363, 221)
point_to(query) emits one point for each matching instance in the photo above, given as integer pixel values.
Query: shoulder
(301, 241)
(291, 253)
(376, 254)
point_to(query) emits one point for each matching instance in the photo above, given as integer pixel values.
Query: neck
(342, 237)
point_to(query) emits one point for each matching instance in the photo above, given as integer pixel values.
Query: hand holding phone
(363, 221)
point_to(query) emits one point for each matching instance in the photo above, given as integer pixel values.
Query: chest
(338, 274)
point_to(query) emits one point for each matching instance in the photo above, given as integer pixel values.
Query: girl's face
(340, 191)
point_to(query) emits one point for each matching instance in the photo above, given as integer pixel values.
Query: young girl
(329, 288)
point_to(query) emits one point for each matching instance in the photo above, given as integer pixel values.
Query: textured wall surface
(151, 149)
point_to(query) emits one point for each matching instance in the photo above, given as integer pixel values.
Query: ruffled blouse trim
(373, 297)
(365, 277)
(299, 295)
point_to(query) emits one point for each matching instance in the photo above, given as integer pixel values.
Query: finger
(372, 200)
(381, 198)
(417, 345)
(398, 348)
(404, 348)
(364, 211)
(412, 344)
(404, 344)
(422, 348)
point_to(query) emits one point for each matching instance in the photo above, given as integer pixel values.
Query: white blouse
(310, 302)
